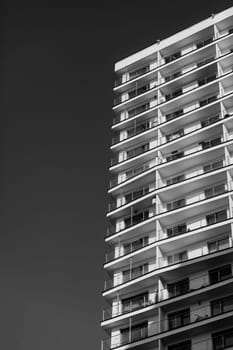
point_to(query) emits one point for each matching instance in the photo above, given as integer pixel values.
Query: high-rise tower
(170, 234)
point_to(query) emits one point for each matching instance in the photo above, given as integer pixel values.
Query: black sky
(56, 64)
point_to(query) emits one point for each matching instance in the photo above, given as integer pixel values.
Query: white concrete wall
(188, 68)
(190, 107)
(153, 143)
(192, 148)
(188, 48)
(190, 86)
(192, 127)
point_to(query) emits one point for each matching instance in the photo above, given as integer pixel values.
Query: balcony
(152, 85)
(168, 59)
(150, 105)
(136, 130)
(162, 296)
(133, 75)
(197, 46)
(166, 233)
(131, 333)
(137, 216)
(158, 161)
(155, 144)
(164, 99)
(144, 70)
(135, 273)
(200, 82)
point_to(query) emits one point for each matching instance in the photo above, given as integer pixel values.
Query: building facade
(170, 218)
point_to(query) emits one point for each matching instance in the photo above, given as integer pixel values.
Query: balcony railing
(133, 75)
(146, 106)
(142, 71)
(191, 316)
(204, 344)
(199, 64)
(200, 82)
(160, 263)
(150, 212)
(151, 187)
(148, 165)
(136, 130)
(161, 296)
(162, 235)
(145, 148)
(145, 88)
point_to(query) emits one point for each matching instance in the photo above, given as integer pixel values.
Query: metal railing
(146, 69)
(191, 316)
(159, 297)
(136, 130)
(146, 106)
(120, 252)
(152, 186)
(158, 264)
(150, 212)
(161, 142)
(116, 180)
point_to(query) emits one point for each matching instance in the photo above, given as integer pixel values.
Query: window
(136, 151)
(176, 204)
(137, 244)
(222, 340)
(177, 230)
(175, 179)
(210, 121)
(220, 274)
(175, 135)
(136, 218)
(138, 72)
(210, 192)
(135, 302)
(135, 272)
(216, 217)
(172, 57)
(174, 115)
(173, 259)
(219, 244)
(178, 288)
(207, 100)
(181, 346)
(178, 319)
(138, 110)
(136, 333)
(203, 43)
(210, 143)
(175, 155)
(222, 305)
(136, 194)
(211, 166)
(139, 91)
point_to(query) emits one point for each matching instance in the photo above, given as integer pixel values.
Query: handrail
(110, 257)
(191, 316)
(119, 82)
(161, 263)
(135, 152)
(146, 217)
(146, 106)
(161, 295)
(158, 184)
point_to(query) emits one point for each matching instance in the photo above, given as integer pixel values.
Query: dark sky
(56, 63)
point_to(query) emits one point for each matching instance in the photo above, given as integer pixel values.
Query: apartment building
(169, 256)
